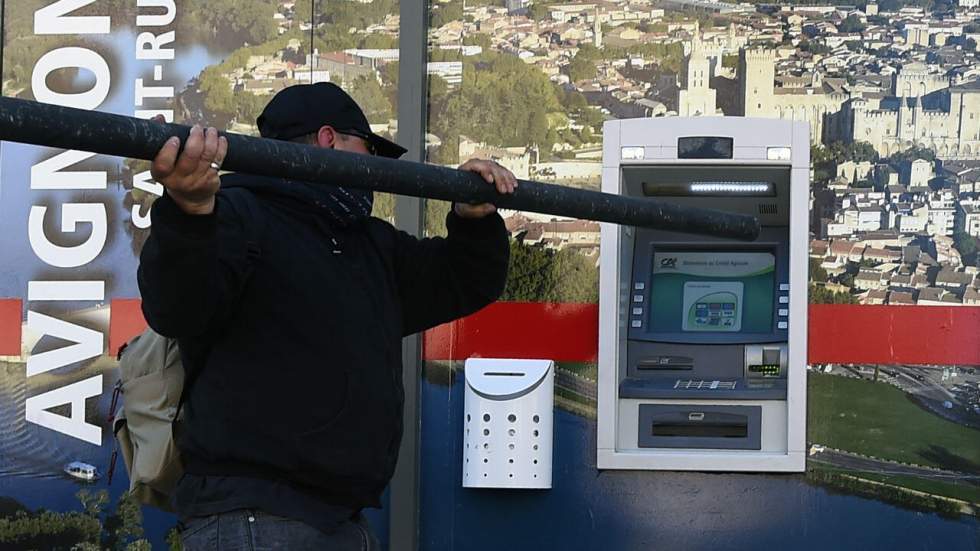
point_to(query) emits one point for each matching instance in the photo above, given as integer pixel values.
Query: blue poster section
(618, 510)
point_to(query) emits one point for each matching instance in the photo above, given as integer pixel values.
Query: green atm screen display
(717, 292)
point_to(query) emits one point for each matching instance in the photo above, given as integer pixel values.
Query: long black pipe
(69, 128)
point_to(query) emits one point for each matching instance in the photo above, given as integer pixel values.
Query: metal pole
(403, 503)
(65, 127)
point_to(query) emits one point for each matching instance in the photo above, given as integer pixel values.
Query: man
(289, 303)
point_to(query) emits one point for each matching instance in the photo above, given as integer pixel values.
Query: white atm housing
(702, 340)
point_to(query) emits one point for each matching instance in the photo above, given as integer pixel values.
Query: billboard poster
(892, 449)
(72, 225)
(893, 203)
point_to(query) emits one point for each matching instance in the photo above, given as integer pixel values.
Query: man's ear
(326, 137)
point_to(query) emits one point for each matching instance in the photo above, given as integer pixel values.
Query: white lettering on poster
(159, 20)
(143, 92)
(71, 215)
(65, 290)
(48, 174)
(144, 182)
(36, 408)
(60, 18)
(88, 343)
(67, 57)
(153, 46)
(156, 45)
(54, 19)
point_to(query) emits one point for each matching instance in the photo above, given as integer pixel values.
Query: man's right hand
(189, 177)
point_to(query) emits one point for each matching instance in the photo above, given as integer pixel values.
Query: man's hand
(190, 178)
(493, 173)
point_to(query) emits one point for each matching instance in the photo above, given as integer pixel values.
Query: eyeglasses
(367, 139)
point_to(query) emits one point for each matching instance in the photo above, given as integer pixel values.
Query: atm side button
(783, 299)
(637, 311)
(784, 286)
(637, 298)
(783, 312)
(639, 285)
(636, 323)
(783, 325)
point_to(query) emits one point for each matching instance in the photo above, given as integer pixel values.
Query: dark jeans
(249, 530)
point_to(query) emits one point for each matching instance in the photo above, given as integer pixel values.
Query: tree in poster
(538, 274)
(502, 101)
(367, 92)
(91, 529)
(529, 278)
(576, 278)
(822, 295)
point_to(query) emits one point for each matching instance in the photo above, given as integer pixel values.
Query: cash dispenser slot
(700, 426)
(699, 423)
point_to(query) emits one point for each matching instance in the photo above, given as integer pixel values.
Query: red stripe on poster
(11, 321)
(564, 332)
(894, 334)
(569, 332)
(837, 334)
(126, 322)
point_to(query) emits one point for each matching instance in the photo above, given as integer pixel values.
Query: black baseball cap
(304, 108)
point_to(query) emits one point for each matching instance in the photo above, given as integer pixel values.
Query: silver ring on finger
(215, 166)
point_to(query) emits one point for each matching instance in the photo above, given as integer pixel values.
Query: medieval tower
(756, 73)
(697, 97)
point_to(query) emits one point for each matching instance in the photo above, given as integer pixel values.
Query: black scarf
(344, 206)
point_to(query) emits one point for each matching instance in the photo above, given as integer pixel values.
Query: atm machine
(702, 340)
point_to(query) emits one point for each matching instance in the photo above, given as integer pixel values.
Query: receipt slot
(702, 340)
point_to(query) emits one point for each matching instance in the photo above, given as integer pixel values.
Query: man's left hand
(503, 179)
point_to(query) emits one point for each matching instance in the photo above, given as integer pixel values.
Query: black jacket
(296, 368)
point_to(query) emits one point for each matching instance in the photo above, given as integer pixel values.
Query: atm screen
(714, 292)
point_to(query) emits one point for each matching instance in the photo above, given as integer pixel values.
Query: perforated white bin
(507, 423)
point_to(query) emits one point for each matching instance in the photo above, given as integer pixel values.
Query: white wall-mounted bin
(508, 423)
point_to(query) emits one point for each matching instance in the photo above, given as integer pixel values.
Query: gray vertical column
(404, 500)
(3, 36)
